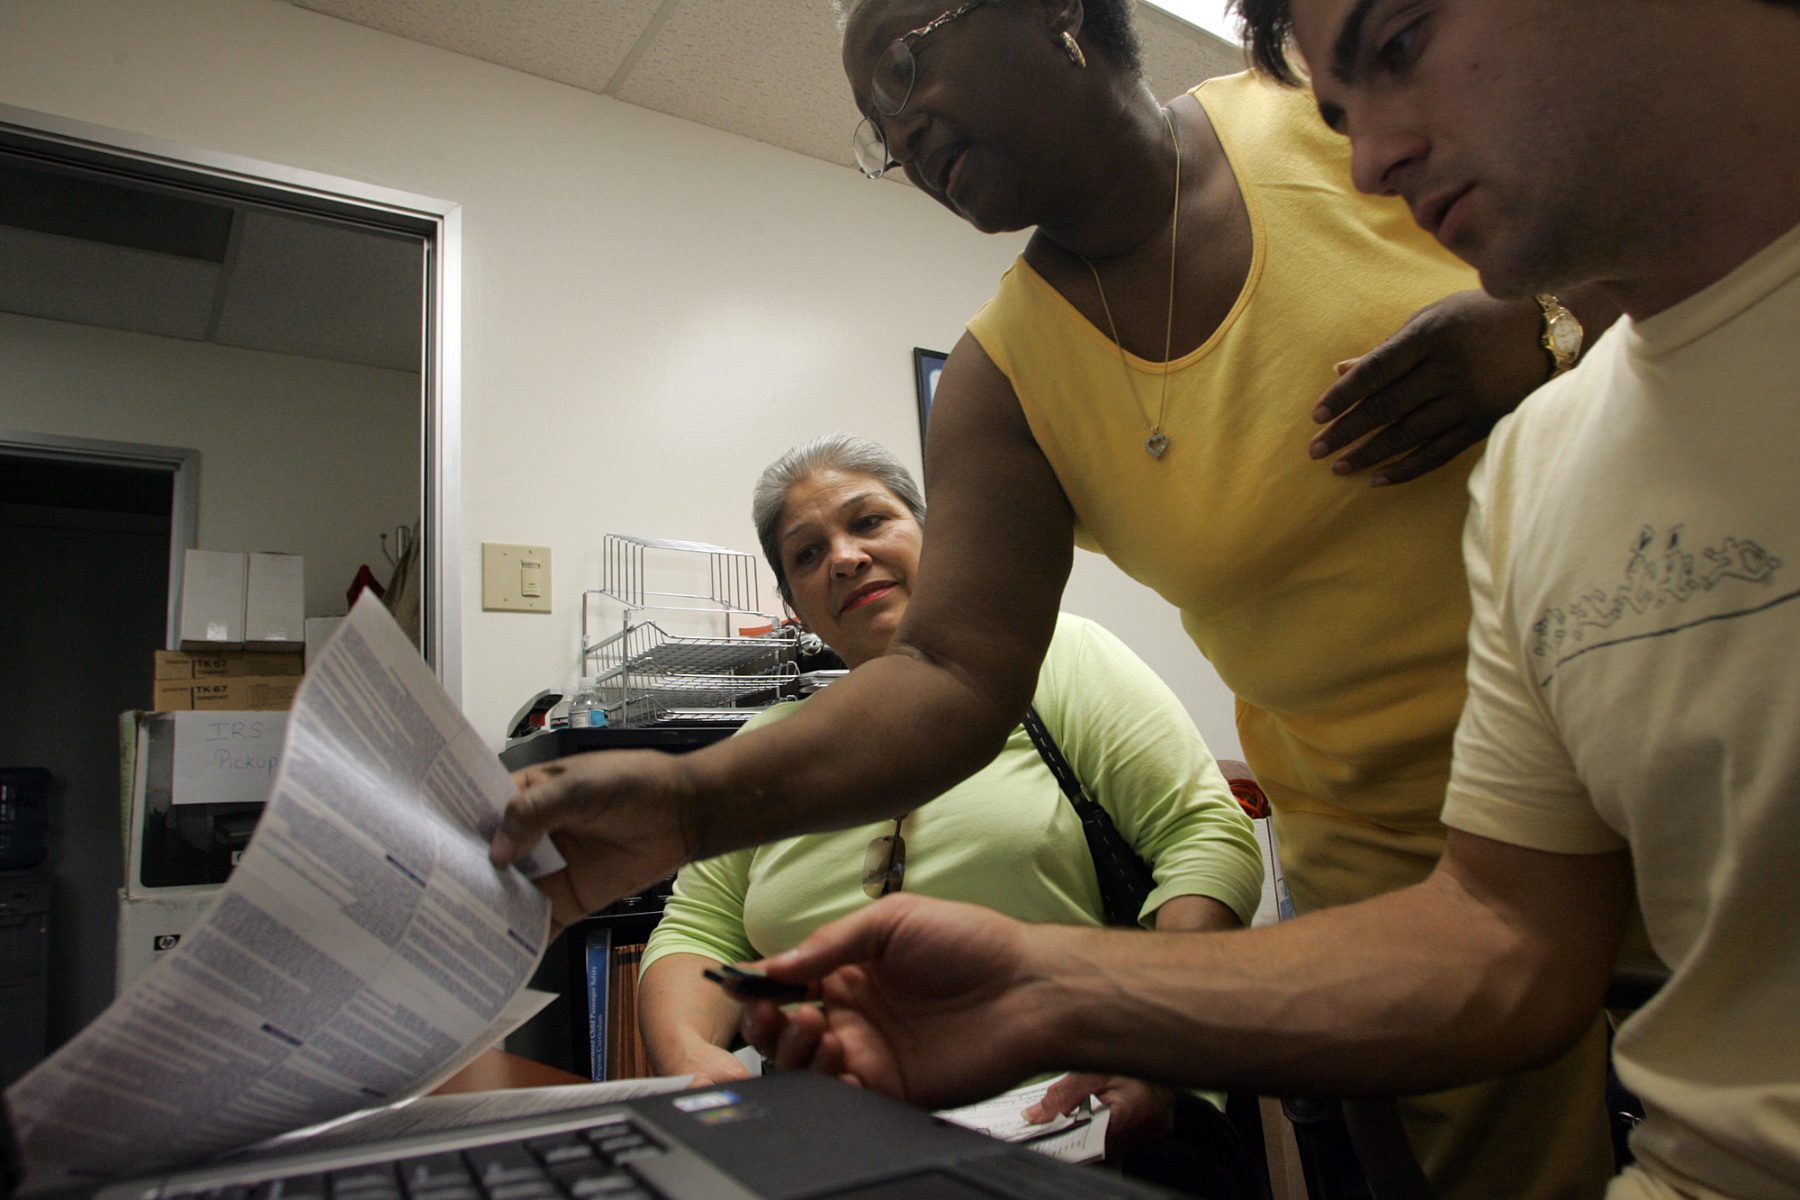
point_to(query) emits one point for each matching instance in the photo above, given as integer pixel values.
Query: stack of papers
(1077, 1137)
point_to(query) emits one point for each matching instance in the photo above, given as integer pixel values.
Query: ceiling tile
(93, 283)
(303, 286)
(578, 42)
(763, 69)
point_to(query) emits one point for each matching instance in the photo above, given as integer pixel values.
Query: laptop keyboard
(587, 1164)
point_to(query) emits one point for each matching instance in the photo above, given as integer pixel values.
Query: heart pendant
(1156, 444)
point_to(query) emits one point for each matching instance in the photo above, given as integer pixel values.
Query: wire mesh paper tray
(645, 700)
(644, 673)
(628, 574)
(659, 668)
(695, 697)
(647, 649)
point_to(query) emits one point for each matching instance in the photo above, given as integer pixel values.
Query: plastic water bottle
(584, 708)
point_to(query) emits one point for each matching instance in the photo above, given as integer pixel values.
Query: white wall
(652, 309)
(275, 433)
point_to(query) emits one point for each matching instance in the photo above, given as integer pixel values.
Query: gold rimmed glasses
(890, 87)
(884, 863)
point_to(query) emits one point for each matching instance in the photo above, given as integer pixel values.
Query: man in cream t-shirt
(1634, 556)
(1633, 545)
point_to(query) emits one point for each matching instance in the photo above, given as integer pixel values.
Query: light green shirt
(1006, 838)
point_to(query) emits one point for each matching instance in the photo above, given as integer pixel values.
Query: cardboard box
(227, 664)
(197, 782)
(149, 928)
(275, 602)
(261, 693)
(212, 600)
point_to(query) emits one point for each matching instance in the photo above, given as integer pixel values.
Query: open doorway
(322, 315)
(86, 538)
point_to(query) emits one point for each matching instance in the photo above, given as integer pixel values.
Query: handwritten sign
(225, 757)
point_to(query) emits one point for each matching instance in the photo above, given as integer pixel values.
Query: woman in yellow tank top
(1145, 383)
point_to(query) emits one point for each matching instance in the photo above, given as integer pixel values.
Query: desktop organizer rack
(675, 657)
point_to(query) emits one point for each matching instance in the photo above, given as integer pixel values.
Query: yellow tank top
(1335, 612)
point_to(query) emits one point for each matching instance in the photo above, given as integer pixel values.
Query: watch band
(1562, 333)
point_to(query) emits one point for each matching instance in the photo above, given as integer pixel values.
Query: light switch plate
(504, 570)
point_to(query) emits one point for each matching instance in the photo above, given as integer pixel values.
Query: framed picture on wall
(927, 366)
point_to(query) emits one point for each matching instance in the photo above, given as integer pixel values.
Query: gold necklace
(1157, 444)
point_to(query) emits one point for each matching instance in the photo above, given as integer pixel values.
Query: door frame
(437, 222)
(184, 501)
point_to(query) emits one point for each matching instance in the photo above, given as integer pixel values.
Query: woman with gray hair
(836, 451)
(840, 521)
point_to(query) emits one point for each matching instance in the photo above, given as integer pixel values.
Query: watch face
(1565, 334)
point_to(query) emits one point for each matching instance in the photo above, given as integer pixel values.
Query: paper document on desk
(363, 944)
(1078, 1138)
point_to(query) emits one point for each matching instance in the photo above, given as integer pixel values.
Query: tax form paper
(364, 949)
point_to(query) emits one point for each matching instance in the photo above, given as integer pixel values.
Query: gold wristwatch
(1562, 334)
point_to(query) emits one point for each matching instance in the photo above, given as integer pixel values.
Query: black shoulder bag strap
(1125, 879)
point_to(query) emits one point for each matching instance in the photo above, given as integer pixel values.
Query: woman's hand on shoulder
(1434, 388)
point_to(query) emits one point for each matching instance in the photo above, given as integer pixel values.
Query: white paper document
(1072, 1137)
(363, 945)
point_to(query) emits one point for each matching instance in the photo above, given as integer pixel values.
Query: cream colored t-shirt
(1634, 682)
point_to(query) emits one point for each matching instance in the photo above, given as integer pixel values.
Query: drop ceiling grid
(577, 42)
(763, 69)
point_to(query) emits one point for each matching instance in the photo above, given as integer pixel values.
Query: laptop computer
(787, 1136)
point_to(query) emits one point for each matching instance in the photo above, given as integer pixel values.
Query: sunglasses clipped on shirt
(884, 863)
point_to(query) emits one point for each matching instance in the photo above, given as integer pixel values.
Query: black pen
(754, 985)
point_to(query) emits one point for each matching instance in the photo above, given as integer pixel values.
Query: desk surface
(496, 1069)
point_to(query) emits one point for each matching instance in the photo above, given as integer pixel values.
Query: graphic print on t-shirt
(1656, 597)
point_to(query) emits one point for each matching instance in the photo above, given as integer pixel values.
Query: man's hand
(1433, 389)
(616, 818)
(1496, 962)
(1141, 1113)
(930, 1001)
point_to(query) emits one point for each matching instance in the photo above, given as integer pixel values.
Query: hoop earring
(1073, 49)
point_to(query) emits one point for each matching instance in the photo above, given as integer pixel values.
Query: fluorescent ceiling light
(1209, 15)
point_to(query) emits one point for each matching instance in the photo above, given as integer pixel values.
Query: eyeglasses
(884, 863)
(890, 86)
